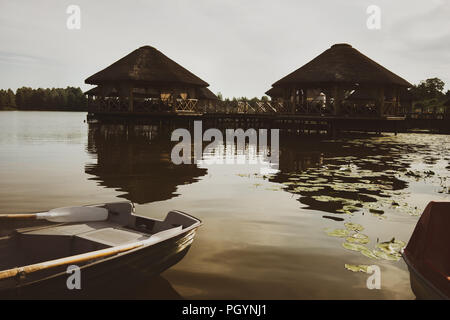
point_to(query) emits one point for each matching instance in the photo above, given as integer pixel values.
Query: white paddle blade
(74, 214)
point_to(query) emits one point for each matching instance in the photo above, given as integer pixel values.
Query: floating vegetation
(354, 246)
(307, 189)
(393, 246)
(341, 233)
(387, 256)
(353, 226)
(358, 238)
(389, 250)
(357, 268)
(372, 178)
(369, 254)
(359, 247)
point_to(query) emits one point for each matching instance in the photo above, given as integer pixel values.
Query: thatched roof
(93, 91)
(274, 92)
(112, 92)
(341, 64)
(206, 94)
(146, 65)
(202, 93)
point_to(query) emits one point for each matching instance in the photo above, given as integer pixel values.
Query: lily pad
(358, 238)
(354, 246)
(353, 226)
(369, 254)
(387, 256)
(391, 247)
(357, 268)
(340, 233)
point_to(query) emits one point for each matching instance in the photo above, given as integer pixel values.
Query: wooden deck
(288, 118)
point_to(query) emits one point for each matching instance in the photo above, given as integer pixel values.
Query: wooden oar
(66, 214)
(88, 256)
(68, 260)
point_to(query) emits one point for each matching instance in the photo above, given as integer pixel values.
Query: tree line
(429, 96)
(61, 99)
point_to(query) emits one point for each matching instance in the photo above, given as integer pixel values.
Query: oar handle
(69, 260)
(19, 216)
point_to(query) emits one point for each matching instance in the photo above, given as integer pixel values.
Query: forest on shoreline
(427, 96)
(54, 99)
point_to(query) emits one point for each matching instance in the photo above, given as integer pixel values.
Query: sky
(240, 47)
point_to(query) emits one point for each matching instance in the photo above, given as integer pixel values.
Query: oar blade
(75, 214)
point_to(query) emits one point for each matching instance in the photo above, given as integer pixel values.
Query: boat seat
(70, 229)
(112, 236)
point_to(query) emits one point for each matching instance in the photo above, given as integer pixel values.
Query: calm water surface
(275, 236)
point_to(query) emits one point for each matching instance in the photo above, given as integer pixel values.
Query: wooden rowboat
(428, 255)
(34, 261)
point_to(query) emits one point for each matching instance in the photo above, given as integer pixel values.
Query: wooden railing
(239, 107)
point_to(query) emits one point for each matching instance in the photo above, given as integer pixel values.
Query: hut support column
(130, 100)
(336, 107)
(380, 102)
(396, 101)
(304, 93)
(293, 100)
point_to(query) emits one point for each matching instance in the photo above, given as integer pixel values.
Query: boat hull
(421, 287)
(98, 277)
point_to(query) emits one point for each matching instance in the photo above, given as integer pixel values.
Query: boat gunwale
(422, 278)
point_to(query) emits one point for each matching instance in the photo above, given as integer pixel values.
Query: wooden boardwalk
(288, 118)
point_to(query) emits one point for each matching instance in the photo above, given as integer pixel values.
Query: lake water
(265, 236)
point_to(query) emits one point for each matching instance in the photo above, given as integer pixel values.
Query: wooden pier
(247, 115)
(339, 90)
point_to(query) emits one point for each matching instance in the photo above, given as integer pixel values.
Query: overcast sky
(240, 47)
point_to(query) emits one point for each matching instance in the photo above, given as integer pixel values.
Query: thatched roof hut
(145, 74)
(338, 71)
(342, 64)
(145, 66)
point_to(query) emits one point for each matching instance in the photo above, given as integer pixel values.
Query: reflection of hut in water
(135, 160)
(144, 81)
(335, 74)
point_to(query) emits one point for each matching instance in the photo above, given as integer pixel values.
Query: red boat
(428, 253)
